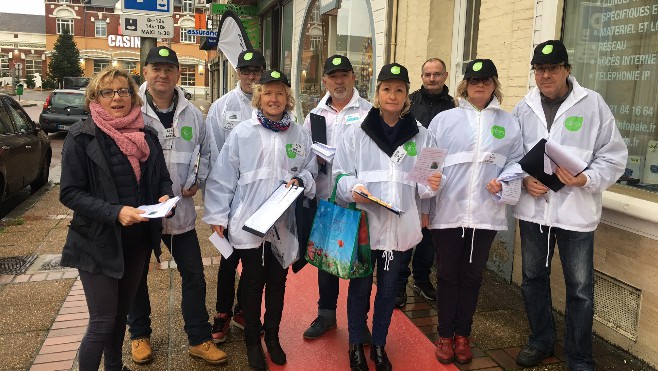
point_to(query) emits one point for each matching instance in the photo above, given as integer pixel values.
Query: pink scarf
(125, 132)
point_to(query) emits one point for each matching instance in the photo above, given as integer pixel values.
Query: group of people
(125, 156)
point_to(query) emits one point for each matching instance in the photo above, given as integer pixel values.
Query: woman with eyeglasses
(111, 164)
(483, 143)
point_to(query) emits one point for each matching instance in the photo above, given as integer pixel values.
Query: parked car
(186, 93)
(79, 83)
(63, 108)
(25, 150)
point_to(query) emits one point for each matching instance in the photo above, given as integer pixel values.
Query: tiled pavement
(43, 313)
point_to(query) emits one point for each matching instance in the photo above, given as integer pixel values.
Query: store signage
(147, 26)
(202, 33)
(151, 7)
(121, 41)
(200, 21)
(240, 10)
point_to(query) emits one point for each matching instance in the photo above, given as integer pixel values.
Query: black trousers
(256, 276)
(459, 276)
(226, 285)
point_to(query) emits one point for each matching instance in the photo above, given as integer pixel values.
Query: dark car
(25, 150)
(63, 108)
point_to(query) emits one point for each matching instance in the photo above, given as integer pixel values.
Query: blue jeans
(358, 299)
(186, 252)
(423, 258)
(577, 258)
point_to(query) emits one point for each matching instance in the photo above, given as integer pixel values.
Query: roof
(101, 3)
(28, 23)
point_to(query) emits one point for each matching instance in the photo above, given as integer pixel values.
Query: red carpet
(407, 346)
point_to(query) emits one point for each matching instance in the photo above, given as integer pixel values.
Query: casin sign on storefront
(613, 47)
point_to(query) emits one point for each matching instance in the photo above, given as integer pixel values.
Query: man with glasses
(186, 145)
(224, 114)
(426, 102)
(340, 108)
(561, 110)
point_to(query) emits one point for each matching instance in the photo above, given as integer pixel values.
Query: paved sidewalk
(43, 312)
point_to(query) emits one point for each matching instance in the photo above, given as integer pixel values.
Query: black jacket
(93, 243)
(425, 106)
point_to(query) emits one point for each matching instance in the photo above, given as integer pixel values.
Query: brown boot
(463, 351)
(141, 351)
(444, 350)
(208, 352)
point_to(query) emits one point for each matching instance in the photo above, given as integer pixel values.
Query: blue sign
(161, 7)
(201, 33)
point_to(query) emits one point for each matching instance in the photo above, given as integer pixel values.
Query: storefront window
(187, 75)
(130, 66)
(267, 40)
(4, 65)
(100, 64)
(613, 48)
(33, 65)
(353, 38)
(286, 39)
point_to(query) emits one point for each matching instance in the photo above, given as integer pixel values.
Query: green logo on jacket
(186, 133)
(410, 148)
(573, 123)
(498, 132)
(290, 152)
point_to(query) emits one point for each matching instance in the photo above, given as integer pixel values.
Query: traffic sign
(147, 26)
(152, 7)
(201, 33)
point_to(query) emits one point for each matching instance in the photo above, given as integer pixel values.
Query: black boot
(277, 354)
(358, 358)
(255, 355)
(378, 354)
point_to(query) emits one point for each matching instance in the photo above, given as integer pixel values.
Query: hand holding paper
(159, 210)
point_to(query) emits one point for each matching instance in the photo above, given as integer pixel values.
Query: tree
(64, 62)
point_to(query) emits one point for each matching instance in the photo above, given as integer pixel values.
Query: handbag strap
(332, 199)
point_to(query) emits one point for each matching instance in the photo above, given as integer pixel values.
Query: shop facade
(95, 25)
(22, 47)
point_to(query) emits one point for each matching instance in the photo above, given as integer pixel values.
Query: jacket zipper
(477, 156)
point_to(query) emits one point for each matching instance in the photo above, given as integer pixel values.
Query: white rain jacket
(224, 114)
(585, 126)
(337, 123)
(363, 158)
(482, 145)
(251, 166)
(190, 136)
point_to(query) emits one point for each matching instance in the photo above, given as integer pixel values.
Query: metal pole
(146, 44)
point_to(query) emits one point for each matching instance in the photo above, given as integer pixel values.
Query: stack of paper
(325, 151)
(159, 210)
(557, 155)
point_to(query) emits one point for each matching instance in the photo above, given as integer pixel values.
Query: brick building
(22, 45)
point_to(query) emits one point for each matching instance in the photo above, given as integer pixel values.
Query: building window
(4, 65)
(616, 56)
(188, 6)
(64, 24)
(63, 1)
(33, 66)
(184, 37)
(187, 75)
(130, 66)
(100, 64)
(101, 28)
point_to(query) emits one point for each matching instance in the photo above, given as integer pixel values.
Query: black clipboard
(319, 133)
(533, 164)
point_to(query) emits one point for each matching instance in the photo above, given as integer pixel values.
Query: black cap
(480, 68)
(550, 52)
(161, 54)
(393, 71)
(337, 63)
(249, 58)
(273, 75)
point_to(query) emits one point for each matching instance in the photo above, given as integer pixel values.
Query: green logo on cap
(395, 70)
(547, 49)
(164, 52)
(336, 61)
(498, 132)
(477, 66)
(248, 56)
(573, 123)
(275, 74)
(186, 133)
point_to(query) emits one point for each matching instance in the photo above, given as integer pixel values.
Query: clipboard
(533, 164)
(381, 203)
(266, 215)
(319, 133)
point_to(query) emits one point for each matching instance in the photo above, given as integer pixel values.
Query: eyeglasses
(550, 68)
(109, 93)
(436, 75)
(478, 80)
(256, 73)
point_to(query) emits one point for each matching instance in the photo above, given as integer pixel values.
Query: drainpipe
(392, 29)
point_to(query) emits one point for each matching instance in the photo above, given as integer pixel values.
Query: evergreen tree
(65, 59)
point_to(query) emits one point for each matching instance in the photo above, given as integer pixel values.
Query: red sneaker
(220, 327)
(463, 351)
(238, 319)
(444, 350)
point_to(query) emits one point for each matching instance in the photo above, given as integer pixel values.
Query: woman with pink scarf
(111, 164)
